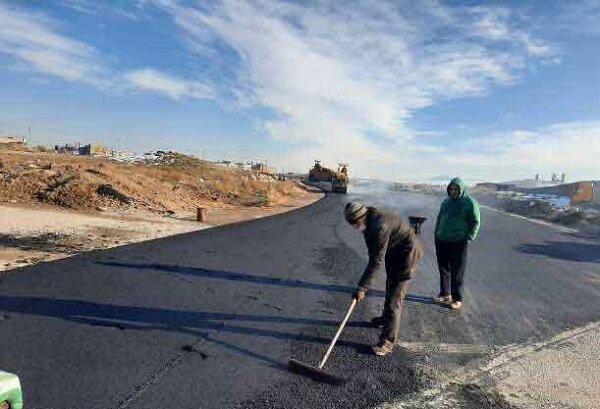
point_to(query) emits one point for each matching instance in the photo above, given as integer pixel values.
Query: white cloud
(336, 73)
(342, 79)
(151, 80)
(499, 24)
(32, 40)
(82, 6)
(128, 10)
(572, 147)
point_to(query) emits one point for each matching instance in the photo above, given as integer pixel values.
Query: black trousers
(452, 263)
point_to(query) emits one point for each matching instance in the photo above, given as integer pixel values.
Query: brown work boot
(442, 299)
(456, 305)
(383, 347)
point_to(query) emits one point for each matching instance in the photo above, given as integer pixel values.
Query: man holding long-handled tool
(388, 239)
(393, 241)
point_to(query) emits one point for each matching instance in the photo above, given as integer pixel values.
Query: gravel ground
(562, 372)
(29, 235)
(559, 373)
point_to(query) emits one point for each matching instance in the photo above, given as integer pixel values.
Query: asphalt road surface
(209, 319)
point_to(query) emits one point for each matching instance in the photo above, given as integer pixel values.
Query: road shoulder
(560, 372)
(32, 234)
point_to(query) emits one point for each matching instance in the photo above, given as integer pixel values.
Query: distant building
(561, 179)
(12, 139)
(67, 149)
(93, 149)
(243, 166)
(225, 163)
(125, 156)
(263, 168)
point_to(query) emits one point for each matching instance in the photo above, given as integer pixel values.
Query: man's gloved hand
(359, 294)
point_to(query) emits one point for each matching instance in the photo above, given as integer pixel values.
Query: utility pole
(29, 134)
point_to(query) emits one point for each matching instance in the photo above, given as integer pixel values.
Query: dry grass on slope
(171, 182)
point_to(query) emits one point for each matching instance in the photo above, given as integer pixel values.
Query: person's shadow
(249, 278)
(197, 323)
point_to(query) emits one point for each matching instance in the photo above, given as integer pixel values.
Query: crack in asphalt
(152, 378)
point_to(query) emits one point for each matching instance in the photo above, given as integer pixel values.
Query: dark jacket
(459, 218)
(385, 235)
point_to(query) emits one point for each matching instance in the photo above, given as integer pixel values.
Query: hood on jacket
(462, 188)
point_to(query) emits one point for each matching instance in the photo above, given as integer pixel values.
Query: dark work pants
(452, 262)
(400, 264)
(395, 292)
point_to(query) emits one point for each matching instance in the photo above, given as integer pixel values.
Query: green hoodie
(459, 218)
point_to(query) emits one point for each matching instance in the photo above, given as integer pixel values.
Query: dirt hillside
(168, 182)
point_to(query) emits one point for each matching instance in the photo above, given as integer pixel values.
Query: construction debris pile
(166, 158)
(162, 182)
(552, 208)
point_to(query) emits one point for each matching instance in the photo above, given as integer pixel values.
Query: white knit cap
(354, 211)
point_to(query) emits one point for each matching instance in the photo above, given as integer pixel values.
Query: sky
(401, 90)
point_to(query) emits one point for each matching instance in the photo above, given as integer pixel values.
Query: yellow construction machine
(338, 179)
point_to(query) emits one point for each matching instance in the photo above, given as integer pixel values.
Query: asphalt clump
(370, 380)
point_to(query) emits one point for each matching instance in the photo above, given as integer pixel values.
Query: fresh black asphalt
(209, 319)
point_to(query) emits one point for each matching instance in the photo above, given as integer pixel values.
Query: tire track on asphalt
(154, 376)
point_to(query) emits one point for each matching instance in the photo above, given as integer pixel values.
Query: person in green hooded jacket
(457, 225)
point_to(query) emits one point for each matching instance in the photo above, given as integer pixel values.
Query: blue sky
(402, 90)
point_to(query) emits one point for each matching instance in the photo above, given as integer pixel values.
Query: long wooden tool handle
(338, 333)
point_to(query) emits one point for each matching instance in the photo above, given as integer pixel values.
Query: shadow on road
(568, 251)
(235, 276)
(244, 277)
(145, 318)
(186, 322)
